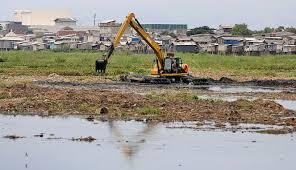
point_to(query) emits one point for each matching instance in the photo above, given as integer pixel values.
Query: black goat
(101, 65)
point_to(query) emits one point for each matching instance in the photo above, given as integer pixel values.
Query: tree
(280, 29)
(200, 30)
(1, 28)
(291, 29)
(241, 30)
(268, 30)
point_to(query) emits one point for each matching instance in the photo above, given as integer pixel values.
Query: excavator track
(137, 78)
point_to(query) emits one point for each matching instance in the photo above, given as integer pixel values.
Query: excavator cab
(172, 65)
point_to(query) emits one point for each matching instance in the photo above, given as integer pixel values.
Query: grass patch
(4, 95)
(3, 59)
(82, 63)
(148, 110)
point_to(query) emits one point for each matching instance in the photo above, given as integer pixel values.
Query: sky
(256, 13)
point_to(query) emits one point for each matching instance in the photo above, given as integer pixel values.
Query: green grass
(148, 111)
(82, 63)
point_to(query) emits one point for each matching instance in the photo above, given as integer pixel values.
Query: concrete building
(159, 28)
(65, 21)
(111, 27)
(39, 17)
(224, 30)
(16, 27)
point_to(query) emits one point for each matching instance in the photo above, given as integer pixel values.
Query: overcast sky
(256, 13)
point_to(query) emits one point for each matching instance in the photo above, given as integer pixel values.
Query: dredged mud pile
(167, 106)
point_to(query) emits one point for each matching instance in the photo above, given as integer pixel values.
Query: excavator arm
(134, 23)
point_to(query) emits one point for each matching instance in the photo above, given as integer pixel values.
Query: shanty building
(9, 41)
(185, 47)
(290, 40)
(230, 40)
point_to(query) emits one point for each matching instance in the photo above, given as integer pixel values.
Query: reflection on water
(130, 148)
(288, 104)
(242, 89)
(147, 146)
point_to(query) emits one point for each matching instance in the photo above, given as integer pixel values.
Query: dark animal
(101, 66)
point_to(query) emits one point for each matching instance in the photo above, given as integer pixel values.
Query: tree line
(241, 30)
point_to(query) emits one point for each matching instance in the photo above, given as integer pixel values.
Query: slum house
(276, 42)
(282, 34)
(68, 31)
(255, 49)
(9, 40)
(24, 46)
(166, 41)
(290, 40)
(92, 36)
(66, 43)
(85, 46)
(29, 46)
(258, 46)
(207, 42)
(135, 45)
(185, 47)
(104, 45)
(226, 44)
(184, 39)
(289, 49)
(254, 46)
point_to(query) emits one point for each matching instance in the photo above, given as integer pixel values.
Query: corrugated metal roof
(65, 20)
(185, 43)
(11, 36)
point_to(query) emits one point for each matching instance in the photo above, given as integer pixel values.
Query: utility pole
(95, 17)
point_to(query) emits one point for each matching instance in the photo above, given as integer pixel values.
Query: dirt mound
(55, 77)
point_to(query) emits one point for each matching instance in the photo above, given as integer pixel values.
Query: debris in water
(13, 137)
(90, 118)
(39, 135)
(54, 138)
(84, 139)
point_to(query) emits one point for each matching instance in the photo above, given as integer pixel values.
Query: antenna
(95, 16)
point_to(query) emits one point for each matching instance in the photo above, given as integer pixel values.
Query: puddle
(288, 104)
(242, 89)
(133, 146)
(228, 98)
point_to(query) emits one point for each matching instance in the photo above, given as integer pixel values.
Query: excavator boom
(174, 67)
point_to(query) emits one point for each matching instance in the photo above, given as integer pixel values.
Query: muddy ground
(56, 95)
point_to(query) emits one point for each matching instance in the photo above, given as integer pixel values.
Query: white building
(39, 17)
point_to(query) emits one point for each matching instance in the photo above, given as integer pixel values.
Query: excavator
(166, 66)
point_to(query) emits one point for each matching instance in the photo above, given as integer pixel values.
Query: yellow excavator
(166, 66)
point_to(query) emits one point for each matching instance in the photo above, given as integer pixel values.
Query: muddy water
(288, 104)
(136, 146)
(244, 89)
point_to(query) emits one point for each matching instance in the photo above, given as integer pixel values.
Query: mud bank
(167, 106)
